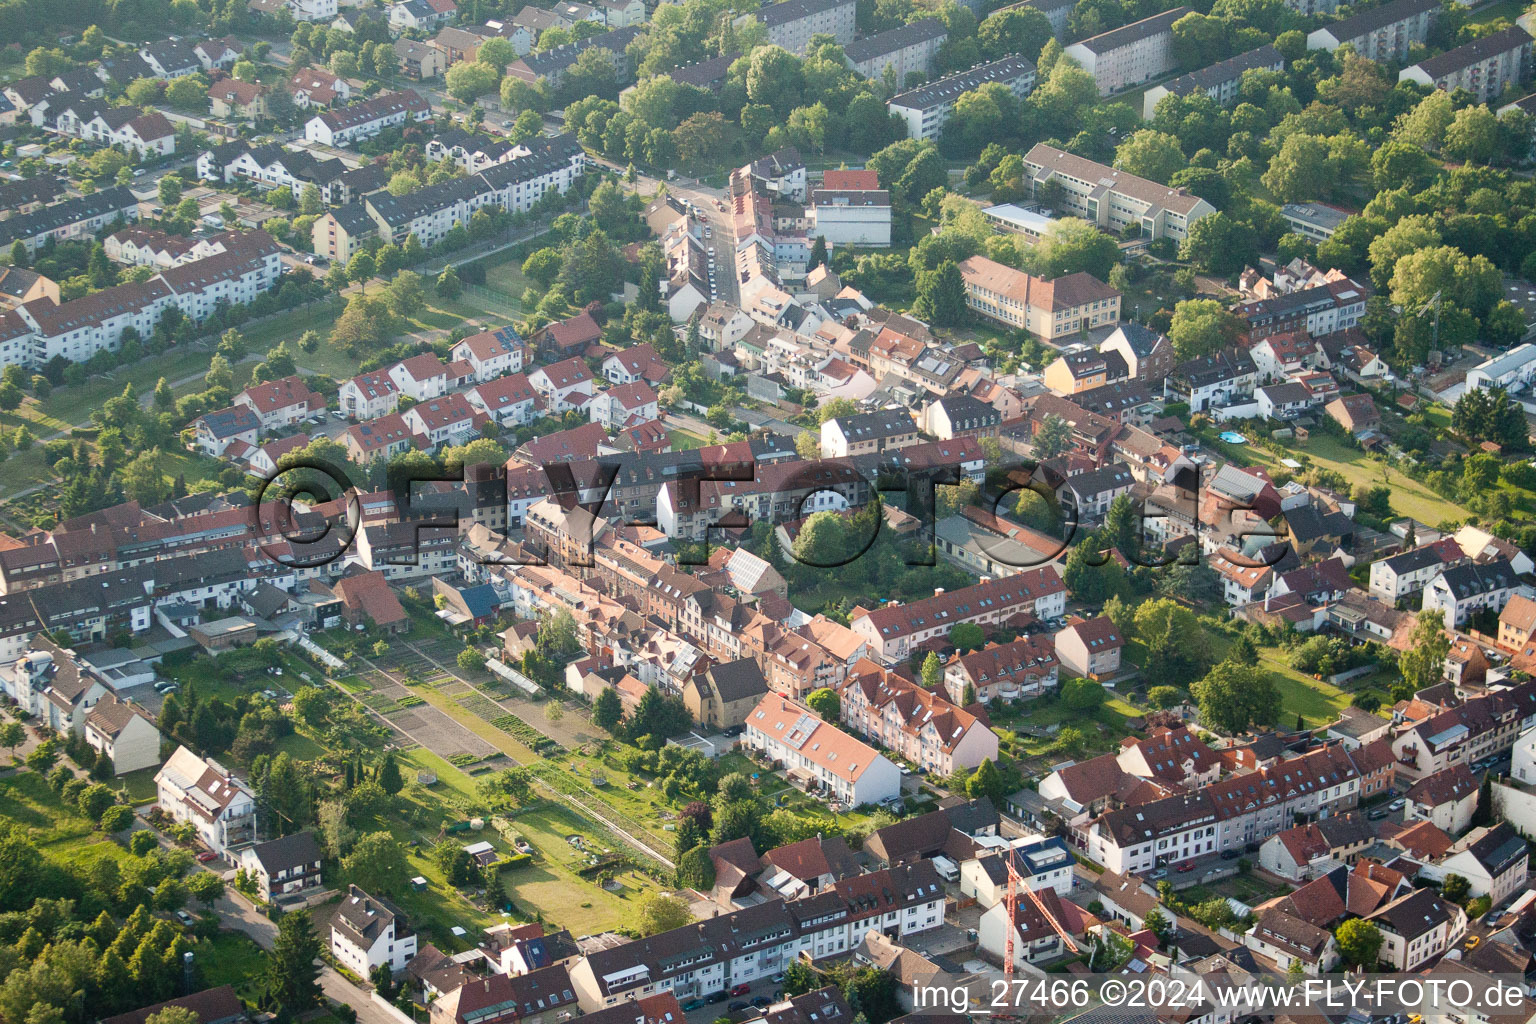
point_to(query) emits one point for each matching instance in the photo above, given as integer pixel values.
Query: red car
(741, 990)
(208, 855)
(1188, 865)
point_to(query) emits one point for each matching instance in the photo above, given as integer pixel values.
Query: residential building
(77, 217)
(281, 403)
(920, 725)
(625, 406)
(1494, 860)
(492, 353)
(360, 120)
(340, 234)
(511, 401)
(420, 60)
(1383, 34)
(1485, 67)
(850, 217)
(724, 695)
(1416, 928)
(894, 630)
(1334, 306)
(1315, 222)
(1471, 587)
(1131, 54)
(1090, 648)
(926, 108)
(1219, 81)
(285, 867)
(1447, 799)
(792, 23)
(756, 942)
(541, 996)
(819, 754)
(1019, 670)
(1513, 370)
(867, 433)
(120, 732)
(961, 416)
(895, 54)
(220, 806)
(1083, 370)
(369, 932)
(1049, 309)
(1401, 576)
(1148, 355)
(231, 97)
(1114, 199)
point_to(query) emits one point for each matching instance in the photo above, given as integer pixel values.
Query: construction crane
(1016, 883)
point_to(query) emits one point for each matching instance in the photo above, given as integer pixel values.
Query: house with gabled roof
(1417, 928)
(893, 630)
(921, 725)
(1447, 798)
(120, 732)
(283, 867)
(1494, 859)
(219, 805)
(368, 932)
(821, 756)
(281, 403)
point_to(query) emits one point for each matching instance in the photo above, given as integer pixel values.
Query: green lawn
(230, 958)
(1409, 496)
(1316, 701)
(1509, 10)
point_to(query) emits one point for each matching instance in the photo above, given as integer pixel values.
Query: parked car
(762, 1002)
(741, 990)
(206, 856)
(740, 1004)
(1159, 873)
(1230, 854)
(1377, 813)
(715, 997)
(1187, 866)
(693, 1004)
(1397, 805)
(185, 918)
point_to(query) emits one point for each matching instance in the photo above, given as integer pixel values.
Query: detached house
(220, 806)
(626, 405)
(492, 353)
(117, 730)
(1091, 648)
(368, 932)
(281, 403)
(511, 401)
(420, 377)
(564, 385)
(369, 396)
(1417, 927)
(288, 866)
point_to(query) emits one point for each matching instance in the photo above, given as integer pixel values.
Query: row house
(1019, 670)
(1479, 727)
(920, 725)
(1335, 306)
(894, 630)
(343, 126)
(818, 755)
(1241, 809)
(1213, 381)
(757, 942)
(773, 493)
(77, 217)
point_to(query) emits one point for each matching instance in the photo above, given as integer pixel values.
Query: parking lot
(703, 1011)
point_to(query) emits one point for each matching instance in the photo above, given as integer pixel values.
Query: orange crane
(1016, 883)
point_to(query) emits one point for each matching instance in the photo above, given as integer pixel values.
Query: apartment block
(1382, 33)
(926, 109)
(360, 120)
(1114, 199)
(899, 52)
(1220, 81)
(791, 24)
(1131, 54)
(1484, 67)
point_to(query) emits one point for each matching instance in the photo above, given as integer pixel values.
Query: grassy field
(1316, 701)
(1509, 10)
(1409, 496)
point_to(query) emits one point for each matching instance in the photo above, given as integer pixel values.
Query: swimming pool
(1232, 437)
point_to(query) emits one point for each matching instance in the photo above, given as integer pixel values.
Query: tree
(1202, 327)
(471, 660)
(360, 268)
(1082, 695)
(1455, 888)
(292, 977)
(1233, 697)
(1488, 414)
(1472, 135)
(941, 296)
(1021, 31)
(12, 735)
(206, 887)
(933, 671)
(390, 779)
(662, 913)
(1151, 154)
(825, 703)
(1071, 246)
(1053, 437)
(1218, 244)
(1163, 697)
(448, 285)
(173, 1015)
(818, 254)
(471, 78)
(1423, 663)
(987, 781)
(377, 864)
(1359, 942)
(607, 710)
